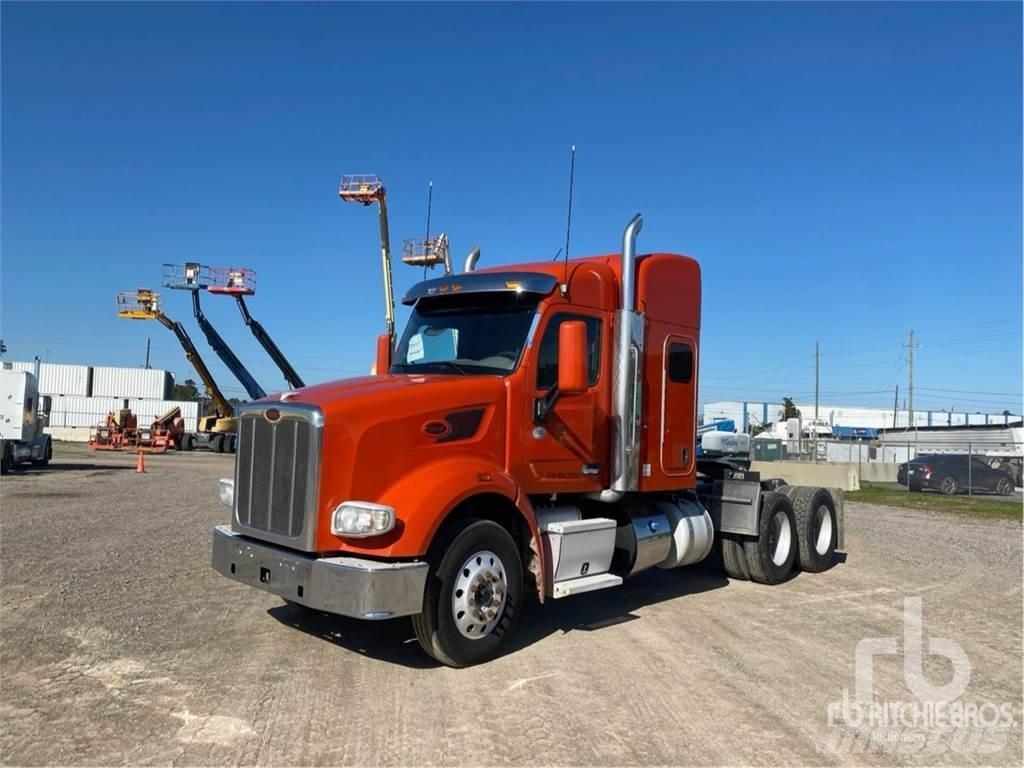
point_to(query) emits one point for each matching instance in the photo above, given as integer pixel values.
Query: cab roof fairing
(483, 282)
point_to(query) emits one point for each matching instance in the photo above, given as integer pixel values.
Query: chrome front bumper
(349, 586)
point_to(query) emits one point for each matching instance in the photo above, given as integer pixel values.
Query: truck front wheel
(47, 455)
(473, 596)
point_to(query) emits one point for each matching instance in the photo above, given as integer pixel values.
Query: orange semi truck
(534, 430)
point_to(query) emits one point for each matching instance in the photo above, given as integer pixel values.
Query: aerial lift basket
(142, 304)
(427, 252)
(190, 276)
(364, 188)
(233, 281)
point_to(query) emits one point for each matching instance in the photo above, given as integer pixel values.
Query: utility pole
(895, 406)
(910, 393)
(147, 352)
(817, 358)
(817, 361)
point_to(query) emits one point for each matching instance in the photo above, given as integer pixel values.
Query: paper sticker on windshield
(415, 348)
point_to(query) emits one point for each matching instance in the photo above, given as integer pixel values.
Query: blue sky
(844, 173)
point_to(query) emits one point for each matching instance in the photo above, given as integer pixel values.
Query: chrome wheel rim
(948, 485)
(479, 595)
(823, 523)
(780, 538)
(1004, 487)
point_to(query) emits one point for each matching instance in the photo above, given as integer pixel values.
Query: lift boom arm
(289, 373)
(192, 355)
(224, 352)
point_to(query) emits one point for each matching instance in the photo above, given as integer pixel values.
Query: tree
(1007, 413)
(186, 391)
(789, 410)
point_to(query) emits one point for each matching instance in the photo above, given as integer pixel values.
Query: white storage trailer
(57, 378)
(145, 383)
(60, 379)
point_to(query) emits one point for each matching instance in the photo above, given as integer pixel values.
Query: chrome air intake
(627, 391)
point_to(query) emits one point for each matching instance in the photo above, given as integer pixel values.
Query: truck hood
(381, 429)
(373, 398)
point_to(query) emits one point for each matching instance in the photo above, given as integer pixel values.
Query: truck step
(584, 584)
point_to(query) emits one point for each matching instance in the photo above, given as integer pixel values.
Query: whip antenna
(430, 200)
(568, 223)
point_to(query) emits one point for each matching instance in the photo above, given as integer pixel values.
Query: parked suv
(952, 474)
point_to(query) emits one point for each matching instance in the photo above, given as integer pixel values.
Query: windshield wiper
(450, 364)
(454, 366)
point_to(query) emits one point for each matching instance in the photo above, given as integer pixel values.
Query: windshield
(466, 334)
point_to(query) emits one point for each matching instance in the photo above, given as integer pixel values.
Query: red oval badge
(272, 414)
(437, 428)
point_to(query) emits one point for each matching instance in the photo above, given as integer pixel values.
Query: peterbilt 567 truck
(534, 430)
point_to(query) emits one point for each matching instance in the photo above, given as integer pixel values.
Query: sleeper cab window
(547, 357)
(680, 363)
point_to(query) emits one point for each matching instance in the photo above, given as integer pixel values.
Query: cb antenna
(568, 223)
(430, 201)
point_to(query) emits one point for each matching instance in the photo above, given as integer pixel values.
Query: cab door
(679, 405)
(568, 450)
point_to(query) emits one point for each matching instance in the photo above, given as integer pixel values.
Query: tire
(771, 555)
(481, 558)
(190, 442)
(217, 444)
(230, 443)
(5, 461)
(949, 486)
(47, 455)
(734, 561)
(1011, 472)
(817, 529)
(1004, 487)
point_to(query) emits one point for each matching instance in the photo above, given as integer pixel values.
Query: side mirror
(383, 364)
(572, 358)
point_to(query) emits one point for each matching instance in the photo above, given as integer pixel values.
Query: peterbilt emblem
(272, 414)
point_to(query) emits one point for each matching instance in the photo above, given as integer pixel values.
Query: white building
(751, 414)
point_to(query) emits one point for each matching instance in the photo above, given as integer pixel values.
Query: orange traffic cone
(140, 467)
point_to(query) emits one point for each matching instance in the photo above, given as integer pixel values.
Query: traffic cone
(140, 467)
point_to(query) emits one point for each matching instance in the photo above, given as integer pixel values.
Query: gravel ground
(121, 645)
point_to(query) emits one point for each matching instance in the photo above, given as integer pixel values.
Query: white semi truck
(22, 419)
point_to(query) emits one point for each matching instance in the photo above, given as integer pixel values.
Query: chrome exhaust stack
(471, 259)
(627, 390)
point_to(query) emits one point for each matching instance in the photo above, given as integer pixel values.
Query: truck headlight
(357, 519)
(227, 492)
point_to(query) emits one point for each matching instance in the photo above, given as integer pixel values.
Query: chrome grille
(276, 472)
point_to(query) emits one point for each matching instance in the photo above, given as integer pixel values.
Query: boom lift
(240, 282)
(216, 432)
(428, 252)
(196, 277)
(367, 189)
(120, 431)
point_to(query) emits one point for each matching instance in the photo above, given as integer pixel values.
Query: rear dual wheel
(769, 557)
(817, 529)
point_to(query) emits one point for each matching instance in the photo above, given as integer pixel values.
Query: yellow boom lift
(216, 432)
